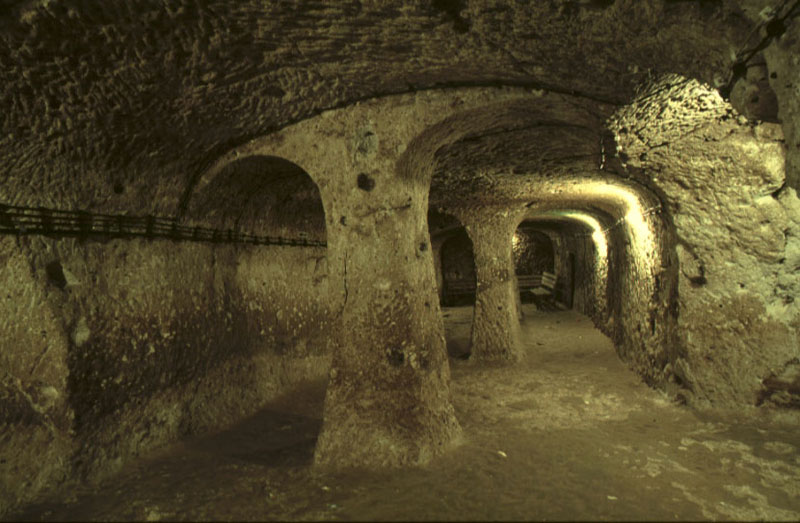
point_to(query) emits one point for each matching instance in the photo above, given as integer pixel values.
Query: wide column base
(495, 324)
(388, 399)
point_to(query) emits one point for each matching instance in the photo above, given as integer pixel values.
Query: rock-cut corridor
(437, 259)
(569, 434)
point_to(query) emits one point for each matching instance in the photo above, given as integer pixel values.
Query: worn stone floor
(568, 434)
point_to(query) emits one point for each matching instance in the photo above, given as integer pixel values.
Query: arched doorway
(534, 258)
(458, 270)
(261, 194)
(278, 297)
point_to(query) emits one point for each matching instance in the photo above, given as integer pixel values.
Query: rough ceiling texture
(378, 126)
(98, 95)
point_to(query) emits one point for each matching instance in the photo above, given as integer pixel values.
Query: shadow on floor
(269, 438)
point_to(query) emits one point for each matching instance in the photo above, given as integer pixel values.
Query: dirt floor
(569, 433)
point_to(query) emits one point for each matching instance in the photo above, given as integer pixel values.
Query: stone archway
(267, 194)
(390, 358)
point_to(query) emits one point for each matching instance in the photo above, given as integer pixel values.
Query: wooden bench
(540, 286)
(537, 284)
(528, 282)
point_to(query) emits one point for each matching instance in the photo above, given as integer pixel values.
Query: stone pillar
(388, 398)
(495, 323)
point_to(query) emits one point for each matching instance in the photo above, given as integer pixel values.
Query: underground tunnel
(437, 260)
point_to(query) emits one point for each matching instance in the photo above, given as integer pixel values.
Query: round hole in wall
(365, 183)
(775, 28)
(396, 357)
(55, 274)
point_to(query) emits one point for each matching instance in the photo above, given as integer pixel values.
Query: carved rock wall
(721, 178)
(106, 361)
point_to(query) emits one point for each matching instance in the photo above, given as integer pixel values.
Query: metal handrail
(61, 223)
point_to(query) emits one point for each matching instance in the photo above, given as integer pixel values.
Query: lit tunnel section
(534, 257)
(158, 328)
(598, 235)
(630, 288)
(615, 262)
(581, 259)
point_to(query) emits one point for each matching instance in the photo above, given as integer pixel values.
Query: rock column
(388, 399)
(495, 324)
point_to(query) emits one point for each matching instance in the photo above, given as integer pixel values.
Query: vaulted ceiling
(118, 105)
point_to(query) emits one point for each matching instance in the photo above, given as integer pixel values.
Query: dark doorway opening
(458, 270)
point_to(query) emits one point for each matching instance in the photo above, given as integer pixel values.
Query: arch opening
(456, 279)
(534, 260)
(618, 253)
(580, 260)
(261, 194)
(281, 295)
(458, 283)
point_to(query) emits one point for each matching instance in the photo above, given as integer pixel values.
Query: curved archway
(265, 194)
(387, 217)
(454, 264)
(285, 287)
